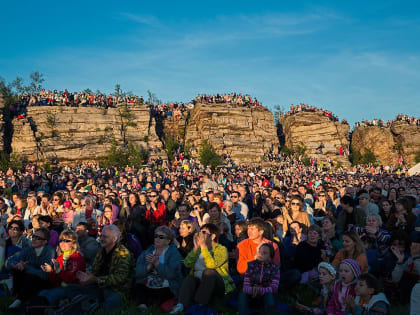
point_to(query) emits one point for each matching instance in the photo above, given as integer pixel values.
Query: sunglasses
(196, 208)
(234, 197)
(36, 237)
(295, 204)
(321, 195)
(204, 232)
(56, 199)
(153, 196)
(65, 241)
(288, 199)
(161, 237)
(14, 228)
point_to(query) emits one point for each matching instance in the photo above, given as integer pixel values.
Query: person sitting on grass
(209, 276)
(28, 277)
(368, 301)
(327, 276)
(261, 279)
(349, 271)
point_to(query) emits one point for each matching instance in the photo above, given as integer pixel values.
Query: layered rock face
(401, 139)
(246, 134)
(66, 134)
(314, 130)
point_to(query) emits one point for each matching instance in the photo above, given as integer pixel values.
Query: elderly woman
(209, 275)
(159, 269)
(376, 240)
(31, 210)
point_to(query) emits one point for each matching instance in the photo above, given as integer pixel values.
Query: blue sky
(359, 59)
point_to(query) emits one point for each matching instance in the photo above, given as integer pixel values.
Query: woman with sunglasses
(209, 276)
(159, 270)
(156, 210)
(295, 213)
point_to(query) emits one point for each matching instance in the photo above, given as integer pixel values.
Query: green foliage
(51, 120)
(88, 91)
(417, 158)
(13, 161)
(369, 157)
(208, 156)
(54, 134)
(146, 139)
(338, 165)
(152, 98)
(117, 90)
(286, 151)
(7, 92)
(18, 85)
(300, 149)
(37, 79)
(306, 161)
(278, 109)
(122, 156)
(171, 146)
(357, 158)
(187, 151)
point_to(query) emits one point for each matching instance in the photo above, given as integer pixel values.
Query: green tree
(121, 156)
(417, 158)
(13, 161)
(278, 109)
(117, 90)
(36, 82)
(208, 156)
(88, 91)
(369, 157)
(171, 146)
(7, 92)
(286, 151)
(18, 85)
(355, 157)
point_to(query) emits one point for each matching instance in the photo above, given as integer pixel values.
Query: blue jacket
(34, 262)
(169, 270)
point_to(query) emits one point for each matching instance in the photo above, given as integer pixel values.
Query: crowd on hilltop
(230, 98)
(188, 239)
(381, 123)
(294, 109)
(172, 110)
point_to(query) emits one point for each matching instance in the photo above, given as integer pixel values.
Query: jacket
(120, 274)
(265, 275)
(334, 306)
(217, 259)
(67, 274)
(361, 259)
(170, 270)
(89, 247)
(378, 305)
(411, 265)
(246, 251)
(33, 266)
(359, 219)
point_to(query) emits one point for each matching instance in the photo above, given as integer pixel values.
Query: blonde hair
(189, 225)
(71, 235)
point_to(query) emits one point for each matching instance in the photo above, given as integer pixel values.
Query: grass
(305, 294)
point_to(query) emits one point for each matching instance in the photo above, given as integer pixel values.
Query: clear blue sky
(359, 59)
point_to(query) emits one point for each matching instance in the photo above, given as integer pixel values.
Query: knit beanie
(354, 267)
(330, 268)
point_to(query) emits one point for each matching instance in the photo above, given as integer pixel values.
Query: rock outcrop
(388, 143)
(70, 134)
(246, 134)
(320, 136)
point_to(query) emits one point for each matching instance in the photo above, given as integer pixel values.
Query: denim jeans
(243, 305)
(111, 298)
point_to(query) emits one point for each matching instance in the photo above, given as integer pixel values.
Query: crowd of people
(229, 98)
(381, 123)
(183, 237)
(294, 109)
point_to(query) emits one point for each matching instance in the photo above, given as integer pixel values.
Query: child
(369, 301)
(68, 214)
(327, 275)
(348, 271)
(261, 279)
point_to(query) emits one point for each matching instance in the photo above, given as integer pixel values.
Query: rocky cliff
(246, 134)
(320, 136)
(400, 139)
(66, 134)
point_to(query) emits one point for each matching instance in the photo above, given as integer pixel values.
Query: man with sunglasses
(28, 277)
(240, 208)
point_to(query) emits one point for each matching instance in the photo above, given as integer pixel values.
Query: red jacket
(157, 216)
(75, 263)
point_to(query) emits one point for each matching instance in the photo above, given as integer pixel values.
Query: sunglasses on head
(160, 236)
(65, 241)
